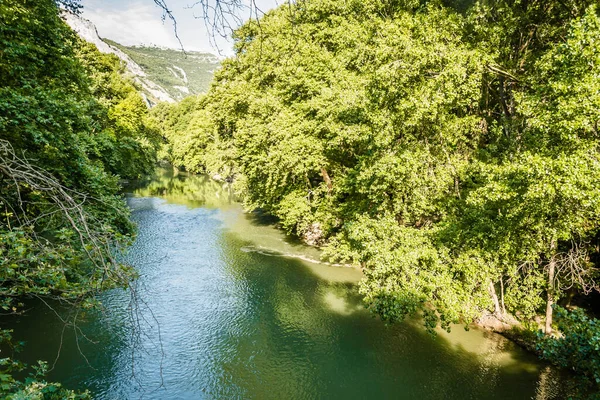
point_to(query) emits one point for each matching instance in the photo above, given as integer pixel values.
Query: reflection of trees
(186, 189)
(308, 337)
(99, 336)
(286, 328)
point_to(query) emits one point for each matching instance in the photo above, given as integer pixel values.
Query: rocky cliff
(180, 74)
(163, 74)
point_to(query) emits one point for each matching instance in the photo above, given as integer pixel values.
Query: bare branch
(69, 207)
(220, 17)
(167, 13)
(574, 268)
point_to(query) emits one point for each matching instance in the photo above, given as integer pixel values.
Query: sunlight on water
(230, 307)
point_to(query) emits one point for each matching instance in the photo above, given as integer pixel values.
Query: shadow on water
(261, 218)
(319, 342)
(240, 323)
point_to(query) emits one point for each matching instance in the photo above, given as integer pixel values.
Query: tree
(123, 140)
(427, 142)
(63, 219)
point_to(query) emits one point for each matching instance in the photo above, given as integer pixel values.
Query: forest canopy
(72, 125)
(449, 148)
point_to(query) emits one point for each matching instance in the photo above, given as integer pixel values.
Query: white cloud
(132, 22)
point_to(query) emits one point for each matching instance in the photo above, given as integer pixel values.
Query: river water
(227, 307)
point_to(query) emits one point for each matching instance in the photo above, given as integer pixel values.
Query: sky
(132, 22)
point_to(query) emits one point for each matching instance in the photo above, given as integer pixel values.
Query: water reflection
(182, 188)
(219, 321)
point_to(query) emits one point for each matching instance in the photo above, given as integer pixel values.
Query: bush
(578, 346)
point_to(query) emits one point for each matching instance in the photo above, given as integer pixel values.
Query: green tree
(450, 148)
(123, 139)
(62, 218)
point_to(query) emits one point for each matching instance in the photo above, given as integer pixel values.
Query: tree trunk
(497, 311)
(550, 299)
(505, 109)
(502, 295)
(327, 179)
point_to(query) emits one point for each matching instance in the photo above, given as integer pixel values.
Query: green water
(227, 307)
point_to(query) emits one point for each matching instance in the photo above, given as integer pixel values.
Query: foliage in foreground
(70, 122)
(71, 126)
(34, 386)
(578, 346)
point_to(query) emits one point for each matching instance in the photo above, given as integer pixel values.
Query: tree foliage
(450, 148)
(578, 348)
(71, 126)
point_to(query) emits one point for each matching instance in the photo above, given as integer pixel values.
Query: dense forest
(448, 148)
(71, 126)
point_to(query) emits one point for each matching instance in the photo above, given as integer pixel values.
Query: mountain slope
(164, 75)
(180, 74)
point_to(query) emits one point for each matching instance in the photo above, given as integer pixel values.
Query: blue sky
(133, 22)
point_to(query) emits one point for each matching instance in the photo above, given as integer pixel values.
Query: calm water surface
(229, 308)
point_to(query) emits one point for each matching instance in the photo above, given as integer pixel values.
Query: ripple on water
(244, 313)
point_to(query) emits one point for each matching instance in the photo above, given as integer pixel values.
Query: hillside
(164, 75)
(180, 74)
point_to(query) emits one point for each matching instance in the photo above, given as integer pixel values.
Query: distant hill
(179, 73)
(162, 74)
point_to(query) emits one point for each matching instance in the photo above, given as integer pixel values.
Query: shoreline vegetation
(449, 148)
(527, 336)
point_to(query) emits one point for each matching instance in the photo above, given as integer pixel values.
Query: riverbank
(519, 333)
(240, 323)
(511, 329)
(572, 347)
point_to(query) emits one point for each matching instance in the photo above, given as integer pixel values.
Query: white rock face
(313, 235)
(183, 74)
(182, 89)
(87, 31)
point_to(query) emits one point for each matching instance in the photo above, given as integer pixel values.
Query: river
(228, 307)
